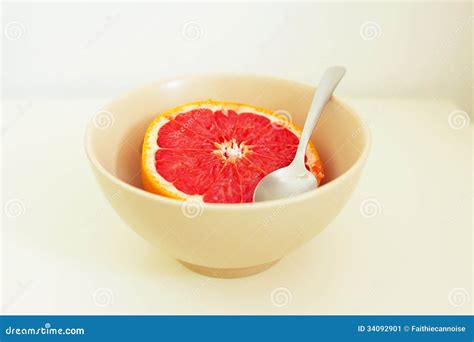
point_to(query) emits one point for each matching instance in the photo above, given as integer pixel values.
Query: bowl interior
(116, 135)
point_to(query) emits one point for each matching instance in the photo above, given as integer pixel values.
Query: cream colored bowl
(225, 240)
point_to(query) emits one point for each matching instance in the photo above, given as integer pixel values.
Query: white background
(390, 49)
(64, 250)
(402, 244)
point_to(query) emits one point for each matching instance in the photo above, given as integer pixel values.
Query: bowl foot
(228, 273)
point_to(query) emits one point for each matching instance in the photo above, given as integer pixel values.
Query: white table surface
(69, 253)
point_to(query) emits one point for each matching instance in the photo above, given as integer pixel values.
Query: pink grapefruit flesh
(218, 151)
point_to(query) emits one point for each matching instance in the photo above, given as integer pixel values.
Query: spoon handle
(331, 78)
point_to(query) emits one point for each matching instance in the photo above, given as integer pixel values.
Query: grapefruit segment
(274, 134)
(250, 174)
(248, 126)
(201, 122)
(268, 163)
(175, 135)
(226, 188)
(217, 151)
(225, 121)
(183, 169)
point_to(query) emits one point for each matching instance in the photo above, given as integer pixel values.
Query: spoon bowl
(285, 182)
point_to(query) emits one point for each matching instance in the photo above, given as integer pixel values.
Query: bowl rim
(359, 163)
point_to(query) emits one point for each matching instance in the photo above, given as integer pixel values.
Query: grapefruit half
(218, 151)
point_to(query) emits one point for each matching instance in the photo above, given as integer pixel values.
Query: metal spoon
(295, 178)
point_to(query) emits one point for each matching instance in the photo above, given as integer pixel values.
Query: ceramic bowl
(225, 240)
